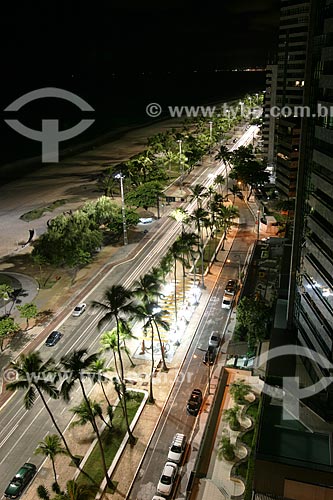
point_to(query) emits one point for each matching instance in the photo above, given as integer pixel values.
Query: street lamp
(228, 114)
(120, 176)
(258, 221)
(180, 163)
(210, 136)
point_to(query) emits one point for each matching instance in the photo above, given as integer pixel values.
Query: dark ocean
(119, 103)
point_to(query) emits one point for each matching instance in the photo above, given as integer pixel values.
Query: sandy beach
(72, 178)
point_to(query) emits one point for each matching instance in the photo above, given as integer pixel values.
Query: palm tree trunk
(151, 396)
(127, 353)
(164, 368)
(54, 470)
(100, 444)
(130, 434)
(175, 291)
(105, 395)
(74, 459)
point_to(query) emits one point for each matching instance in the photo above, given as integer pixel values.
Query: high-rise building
(292, 47)
(311, 304)
(294, 456)
(268, 129)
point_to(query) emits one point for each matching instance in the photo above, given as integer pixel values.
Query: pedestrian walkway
(221, 482)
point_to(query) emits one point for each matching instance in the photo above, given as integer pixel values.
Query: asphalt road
(21, 430)
(194, 374)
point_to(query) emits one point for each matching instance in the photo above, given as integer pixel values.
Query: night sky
(47, 41)
(121, 55)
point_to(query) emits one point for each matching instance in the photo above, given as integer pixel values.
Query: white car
(167, 478)
(227, 301)
(214, 339)
(79, 309)
(177, 448)
(156, 497)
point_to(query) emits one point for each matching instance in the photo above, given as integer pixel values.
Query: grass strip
(111, 439)
(37, 213)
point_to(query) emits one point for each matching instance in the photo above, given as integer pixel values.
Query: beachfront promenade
(57, 295)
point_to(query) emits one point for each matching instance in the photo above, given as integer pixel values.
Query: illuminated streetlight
(210, 136)
(180, 163)
(258, 221)
(121, 177)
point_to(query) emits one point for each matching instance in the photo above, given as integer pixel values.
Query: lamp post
(210, 136)
(180, 163)
(258, 222)
(228, 115)
(120, 176)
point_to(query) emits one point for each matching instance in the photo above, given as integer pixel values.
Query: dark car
(231, 287)
(53, 338)
(194, 403)
(240, 195)
(210, 355)
(22, 477)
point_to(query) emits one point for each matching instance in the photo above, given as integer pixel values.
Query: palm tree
(226, 449)
(99, 367)
(78, 364)
(219, 181)
(152, 315)
(125, 334)
(51, 447)
(198, 194)
(116, 304)
(33, 377)
(239, 389)
(231, 416)
(234, 190)
(86, 413)
(148, 288)
(165, 265)
(188, 242)
(225, 155)
(109, 342)
(75, 491)
(198, 216)
(176, 252)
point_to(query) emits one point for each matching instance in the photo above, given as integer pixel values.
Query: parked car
(240, 195)
(231, 287)
(210, 355)
(177, 448)
(227, 301)
(214, 339)
(156, 497)
(167, 478)
(194, 403)
(79, 309)
(53, 338)
(22, 477)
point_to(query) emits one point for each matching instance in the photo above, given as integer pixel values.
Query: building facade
(292, 48)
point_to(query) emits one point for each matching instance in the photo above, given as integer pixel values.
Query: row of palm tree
(39, 378)
(123, 306)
